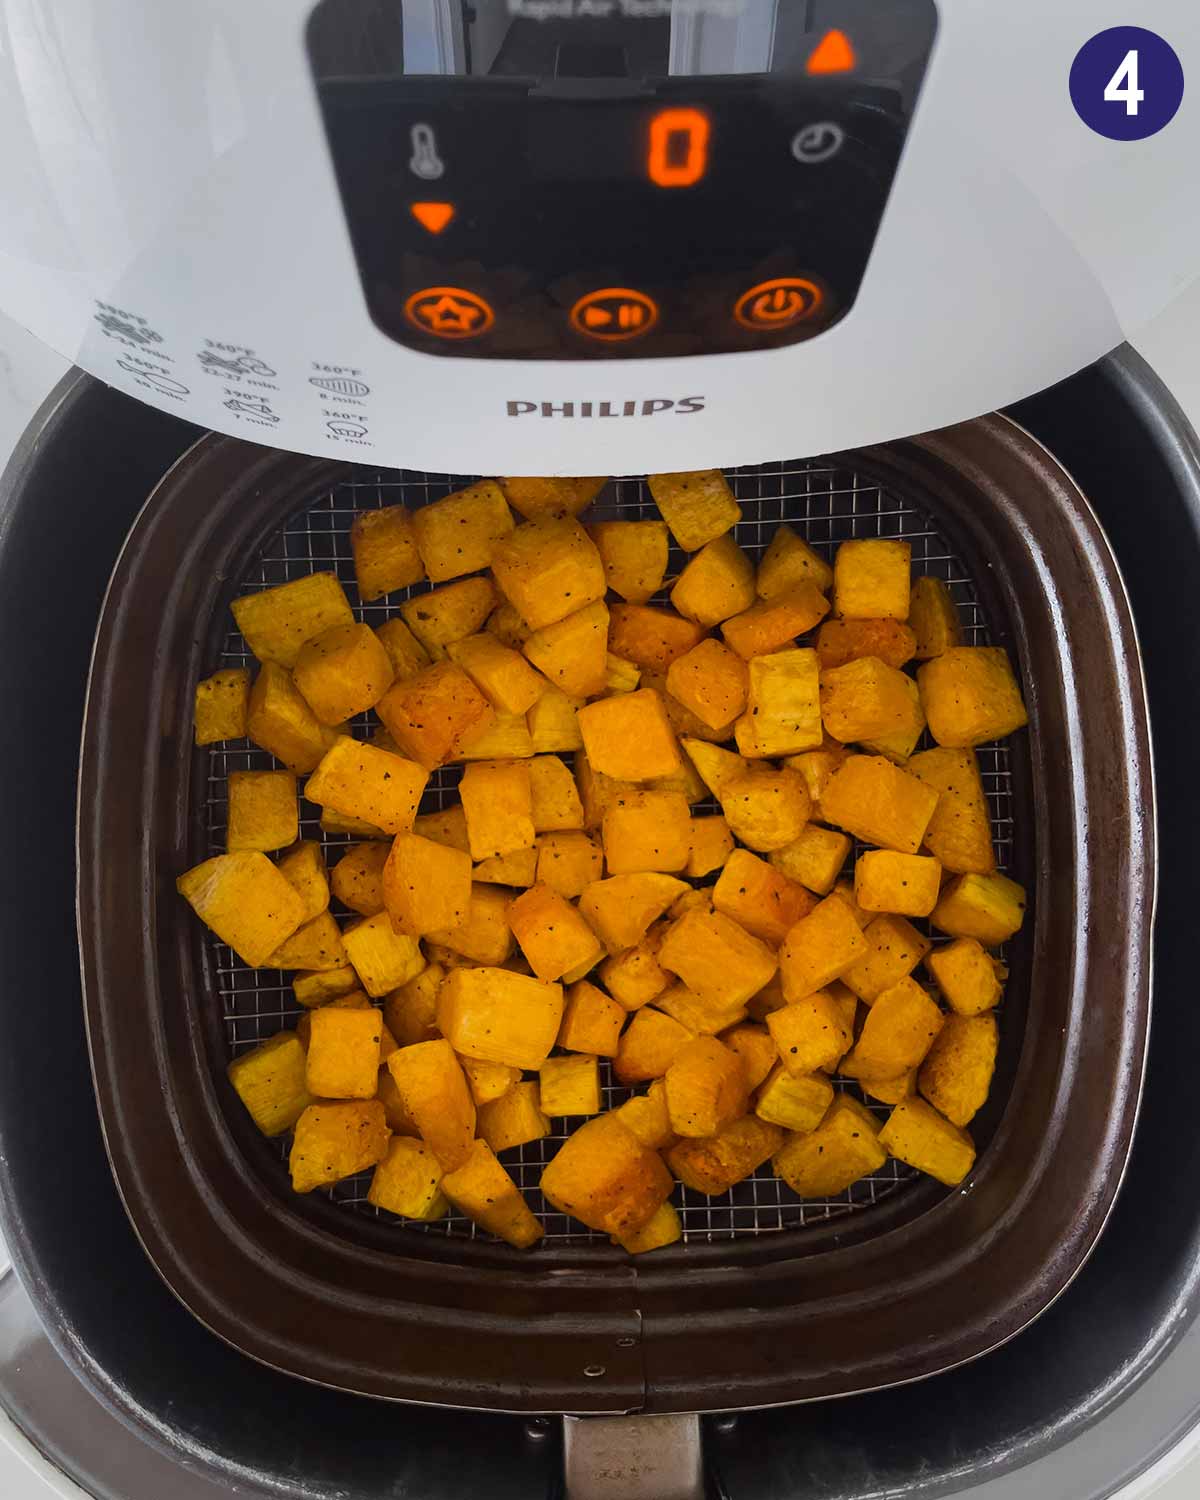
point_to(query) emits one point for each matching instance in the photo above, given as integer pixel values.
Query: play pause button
(614, 313)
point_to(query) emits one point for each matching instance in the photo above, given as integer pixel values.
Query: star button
(449, 312)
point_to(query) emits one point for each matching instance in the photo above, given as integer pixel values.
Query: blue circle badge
(1126, 83)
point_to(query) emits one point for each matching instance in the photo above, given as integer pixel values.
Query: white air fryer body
(172, 223)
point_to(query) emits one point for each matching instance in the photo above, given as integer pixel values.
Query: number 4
(1130, 96)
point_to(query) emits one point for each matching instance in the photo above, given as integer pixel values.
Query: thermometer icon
(425, 161)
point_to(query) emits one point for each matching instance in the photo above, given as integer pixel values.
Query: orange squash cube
(342, 672)
(433, 715)
(766, 809)
(879, 803)
(717, 583)
(270, 1081)
(515, 1119)
(635, 977)
(960, 830)
(711, 682)
(517, 869)
(904, 884)
(814, 859)
(383, 959)
(363, 782)
(357, 878)
(663, 1227)
(263, 812)
(957, 1074)
(405, 652)
(597, 792)
(547, 569)
(710, 845)
(648, 1046)
(706, 1088)
(507, 626)
(303, 867)
(552, 724)
(702, 1014)
(716, 767)
(842, 1149)
(970, 979)
(502, 675)
(651, 638)
(933, 618)
(621, 909)
(556, 804)
(840, 641)
(568, 863)
(716, 957)
(899, 1030)
(497, 798)
(459, 534)
(222, 702)
(646, 1116)
(279, 721)
(990, 908)
(797, 1101)
(551, 933)
(916, 1134)
(810, 1033)
(864, 699)
(505, 738)
(788, 562)
(764, 901)
(591, 1021)
(322, 985)
(970, 696)
(410, 1011)
(772, 624)
(715, 1165)
(316, 945)
(621, 676)
(498, 1016)
(485, 937)
(450, 613)
(820, 948)
(647, 831)
(634, 554)
(871, 579)
(569, 1086)
(426, 886)
(817, 767)
(551, 496)
(435, 1093)
(898, 744)
(385, 552)
(604, 1176)
(629, 737)
(483, 1190)
(783, 704)
(488, 1080)
(698, 506)
(276, 622)
(755, 1048)
(573, 652)
(446, 826)
(408, 1182)
(343, 1053)
(894, 949)
(333, 1141)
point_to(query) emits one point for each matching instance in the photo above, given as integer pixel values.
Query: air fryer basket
(893, 1282)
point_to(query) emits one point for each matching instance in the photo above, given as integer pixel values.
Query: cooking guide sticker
(1126, 83)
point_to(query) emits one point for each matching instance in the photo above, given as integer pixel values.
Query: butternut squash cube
(323, 985)
(646, 1116)
(433, 715)
(385, 552)
(933, 618)
(840, 641)
(621, 909)
(716, 767)
(547, 569)
(960, 831)
(899, 1030)
(711, 682)
(651, 638)
(498, 1016)
(246, 901)
(483, 1190)
(621, 676)
(506, 624)
(756, 1050)
(315, 945)
(771, 624)
(970, 696)
(551, 933)
(361, 781)
(410, 1011)
(647, 830)
(551, 496)
(648, 1046)
(408, 1182)
(905, 884)
(501, 674)
(663, 1227)
(629, 737)
(514, 1119)
(426, 886)
(334, 1141)
(604, 1176)
(700, 1014)
(405, 652)
(769, 998)
(879, 803)
(497, 798)
(303, 867)
(573, 652)
(820, 948)
(279, 721)
(568, 863)
(591, 1021)
(357, 878)
(898, 744)
(485, 937)
(634, 554)
(766, 809)
(715, 1165)
(342, 672)
(788, 562)
(450, 613)
(990, 908)
(516, 869)
(915, 1133)
(356, 999)
(814, 859)
(717, 583)
(446, 826)
(844, 892)
(681, 719)
(710, 845)
(842, 1149)
(357, 828)
(505, 738)
(270, 1082)
(817, 767)
(894, 949)
(796, 1101)
(761, 899)
(277, 622)
(263, 812)
(459, 534)
(697, 506)
(957, 1074)
(716, 957)
(783, 704)
(569, 1086)
(488, 1080)
(221, 705)
(400, 1122)
(556, 804)
(864, 699)
(343, 1053)
(871, 579)
(597, 792)
(552, 722)
(970, 979)
(634, 977)
(383, 959)
(810, 1033)
(890, 1090)
(435, 1093)
(706, 1088)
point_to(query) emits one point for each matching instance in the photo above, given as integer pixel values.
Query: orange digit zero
(678, 155)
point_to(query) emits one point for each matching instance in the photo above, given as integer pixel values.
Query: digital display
(704, 180)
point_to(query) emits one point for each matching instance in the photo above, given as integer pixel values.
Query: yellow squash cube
(361, 781)
(844, 891)
(717, 583)
(648, 1046)
(449, 614)
(385, 552)
(899, 744)
(702, 1014)
(761, 899)
(400, 1122)
(783, 704)
(970, 979)
(811, 1033)
(663, 1227)
(698, 506)
(766, 809)
(788, 562)
(408, 1182)
(915, 1133)
(278, 720)
(879, 803)
(277, 622)
(410, 1011)
(716, 767)
(621, 909)
(711, 682)
(497, 798)
(343, 672)
(769, 998)
(435, 1093)
(548, 569)
(556, 804)
(505, 738)
(383, 959)
(485, 937)
(933, 618)
(323, 985)
(246, 901)
(270, 1082)
(814, 859)
(716, 957)
(715, 1165)
(989, 908)
(488, 1080)
(433, 715)
(957, 1074)
(507, 626)
(316, 945)
(647, 831)
(621, 676)
(446, 826)
(840, 641)
(303, 867)
(263, 811)
(500, 673)
(333, 1141)
(591, 1021)
(894, 949)
(483, 1190)
(796, 1101)
(706, 1088)
(221, 705)
(498, 1016)
(605, 1177)
(826, 1161)
(357, 878)
(774, 623)
(551, 934)
(634, 554)
(516, 869)
(405, 652)
(552, 724)
(755, 1048)
(573, 652)
(970, 696)
(864, 700)
(514, 1119)
(568, 863)
(899, 1030)
(343, 1053)
(426, 886)
(635, 977)
(646, 1116)
(629, 737)
(890, 1090)
(551, 496)
(569, 1086)
(458, 534)
(817, 768)
(710, 845)
(960, 831)
(651, 638)
(905, 884)
(820, 948)
(871, 580)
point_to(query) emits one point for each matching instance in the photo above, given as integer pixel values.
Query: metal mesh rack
(826, 505)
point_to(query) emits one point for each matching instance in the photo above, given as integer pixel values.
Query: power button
(777, 304)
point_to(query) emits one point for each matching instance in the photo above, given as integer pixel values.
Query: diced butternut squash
(450, 613)
(551, 933)
(343, 1053)
(485, 937)
(556, 804)
(789, 561)
(433, 715)
(316, 945)
(814, 859)
(717, 583)
(761, 899)
(933, 618)
(796, 1101)
(459, 534)
(783, 704)
(221, 705)
(890, 1090)
(501, 674)
(663, 1227)
(446, 826)
(276, 622)
(383, 959)
(506, 738)
(871, 579)
(772, 624)
(435, 1093)
(710, 845)
(426, 886)
(697, 506)
(323, 985)
(957, 1074)
(405, 652)
(704, 1015)
(629, 737)
(400, 1122)
(597, 792)
(634, 554)
(905, 884)
(244, 899)
(263, 811)
(410, 1011)
(817, 767)
(879, 803)
(278, 720)
(899, 1030)
(334, 1141)
(706, 1088)
(552, 723)
(715, 1165)
(894, 949)
(716, 957)
(516, 869)
(766, 809)
(385, 552)
(652, 638)
(970, 979)
(840, 641)
(842, 1149)
(682, 720)
(483, 1190)
(547, 569)
(820, 948)
(270, 1082)
(646, 830)
(648, 1046)
(898, 744)
(915, 1133)
(970, 696)
(621, 909)
(362, 782)
(342, 672)
(514, 1119)
(810, 1033)
(303, 867)
(498, 801)
(769, 998)
(569, 1086)
(646, 1116)
(755, 1048)
(408, 1182)
(960, 831)
(604, 1176)
(591, 1021)
(990, 908)
(551, 496)
(573, 652)
(716, 767)
(357, 999)
(357, 878)
(843, 891)
(497, 1016)
(506, 624)
(711, 682)
(864, 699)
(568, 863)
(635, 977)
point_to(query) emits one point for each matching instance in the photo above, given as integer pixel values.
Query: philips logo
(648, 408)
